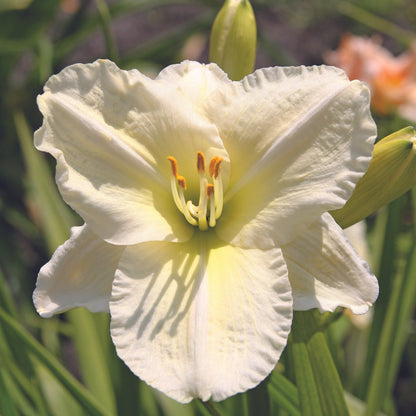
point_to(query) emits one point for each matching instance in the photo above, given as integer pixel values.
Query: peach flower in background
(392, 80)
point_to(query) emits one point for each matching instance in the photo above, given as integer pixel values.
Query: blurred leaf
(210, 408)
(376, 22)
(319, 386)
(406, 307)
(7, 406)
(79, 392)
(92, 354)
(45, 58)
(166, 46)
(85, 27)
(60, 401)
(400, 305)
(30, 22)
(308, 390)
(55, 216)
(105, 18)
(387, 234)
(24, 390)
(56, 221)
(14, 4)
(6, 300)
(284, 393)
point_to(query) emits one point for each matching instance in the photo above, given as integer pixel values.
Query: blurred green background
(40, 37)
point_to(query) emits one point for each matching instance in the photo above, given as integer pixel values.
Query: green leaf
(6, 301)
(406, 306)
(14, 4)
(55, 216)
(92, 355)
(385, 272)
(399, 307)
(105, 18)
(56, 221)
(319, 385)
(23, 389)
(60, 401)
(7, 406)
(284, 393)
(209, 408)
(83, 396)
(310, 404)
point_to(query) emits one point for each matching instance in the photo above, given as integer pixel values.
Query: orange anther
(181, 182)
(212, 166)
(217, 167)
(174, 166)
(200, 164)
(210, 190)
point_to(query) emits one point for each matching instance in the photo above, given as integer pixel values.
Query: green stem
(393, 335)
(105, 18)
(375, 22)
(404, 314)
(385, 274)
(320, 388)
(209, 406)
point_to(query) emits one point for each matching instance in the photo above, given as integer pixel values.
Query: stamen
(181, 182)
(212, 192)
(203, 205)
(173, 186)
(200, 163)
(174, 166)
(219, 202)
(211, 197)
(211, 167)
(215, 173)
(217, 167)
(184, 208)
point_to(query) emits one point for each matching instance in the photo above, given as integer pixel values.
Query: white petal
(325, 271)
(356, 235)
(80, 273)
(111, 132)
(298, 140)
(196, 81)
(200, 319)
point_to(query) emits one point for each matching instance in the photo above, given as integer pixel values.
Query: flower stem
(106, 24)
(319, 385)
(377, 23)
(209, 406)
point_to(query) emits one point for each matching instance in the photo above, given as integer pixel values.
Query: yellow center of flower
(209, 207)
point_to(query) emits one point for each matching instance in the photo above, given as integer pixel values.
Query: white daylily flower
(205, 205)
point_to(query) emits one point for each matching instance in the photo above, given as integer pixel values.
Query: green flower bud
(233, 39)
(391, 173)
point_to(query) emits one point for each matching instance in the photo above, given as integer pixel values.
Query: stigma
(209, 208)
